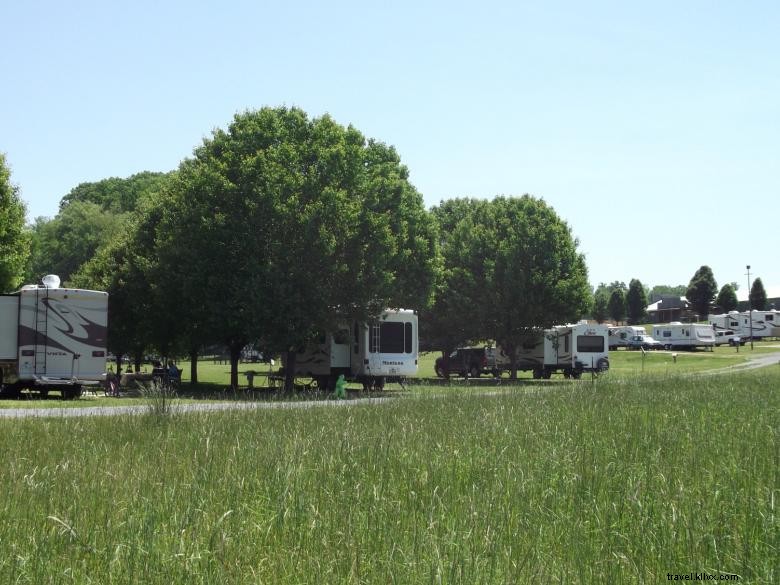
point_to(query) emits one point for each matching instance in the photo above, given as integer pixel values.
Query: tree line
(281, 225)
(619, 303)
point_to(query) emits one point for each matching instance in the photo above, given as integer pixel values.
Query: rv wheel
(576, 374)
(537, 374)
(474, 372)
(668, 346)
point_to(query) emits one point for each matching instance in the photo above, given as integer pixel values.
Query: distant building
(670, 308)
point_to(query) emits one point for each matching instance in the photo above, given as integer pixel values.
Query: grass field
(626, 479)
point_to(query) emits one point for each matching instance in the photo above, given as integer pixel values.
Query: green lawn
(623, 479)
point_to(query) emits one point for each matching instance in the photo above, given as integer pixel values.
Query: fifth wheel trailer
(52, 338)
(381, 350)
(567, 349)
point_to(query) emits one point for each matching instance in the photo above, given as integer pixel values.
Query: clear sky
(653, 128)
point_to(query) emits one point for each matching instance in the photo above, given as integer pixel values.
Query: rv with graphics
(567, 349)
(678, 335)
(381, 350)
(765, 323)
(631, 337)
(52, 338)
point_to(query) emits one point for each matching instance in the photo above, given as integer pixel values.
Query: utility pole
(750, 308)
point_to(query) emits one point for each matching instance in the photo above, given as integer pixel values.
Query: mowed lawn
(625, 479)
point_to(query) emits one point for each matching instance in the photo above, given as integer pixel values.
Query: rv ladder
(41, 332)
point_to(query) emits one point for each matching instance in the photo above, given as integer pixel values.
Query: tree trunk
(194, 366)
(235, 356)
(289, 371)
(510, 349)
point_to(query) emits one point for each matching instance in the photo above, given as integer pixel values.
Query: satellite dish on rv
(51, 281)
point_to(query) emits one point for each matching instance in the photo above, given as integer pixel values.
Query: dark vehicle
(469, 361)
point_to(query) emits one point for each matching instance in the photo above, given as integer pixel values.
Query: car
(644, 342)
(469, 361)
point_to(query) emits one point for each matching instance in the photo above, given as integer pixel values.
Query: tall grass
(619, 480)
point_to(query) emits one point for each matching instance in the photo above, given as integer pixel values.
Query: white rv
(631, 337)
(52, 338)
(574, 349)
(568, 349)
(678, 335)
(765, 324)
(730, 321)
(374, 352)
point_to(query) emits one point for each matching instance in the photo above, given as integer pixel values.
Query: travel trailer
(52, 338)
(765, 323)
(567, 349)
(631, 337)
(678, 335)
(372, 353)
(574, 349)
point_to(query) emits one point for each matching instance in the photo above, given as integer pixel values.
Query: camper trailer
(567, 349)
(678, 335)
(372, 353)
(765, 324)
(728, 329)
(631, 337)
(574, 349)
(52, 338)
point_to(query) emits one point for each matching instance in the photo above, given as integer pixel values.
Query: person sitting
(173, 372)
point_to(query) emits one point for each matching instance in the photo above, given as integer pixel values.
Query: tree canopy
(14, 237)
(702, 290)
(758, 298)
(636, 302)
(281, 225)
(727, 298)
(511, 267)
(617, 305)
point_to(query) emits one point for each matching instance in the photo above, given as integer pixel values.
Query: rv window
(667, 333)
(391, 338)
(408, 337)
(590, 343)
(769, 317)
(566, 344)
(733, 324)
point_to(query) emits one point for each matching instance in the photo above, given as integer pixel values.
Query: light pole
(750, 308)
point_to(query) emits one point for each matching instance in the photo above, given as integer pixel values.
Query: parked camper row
(747, 324)
(52, 338)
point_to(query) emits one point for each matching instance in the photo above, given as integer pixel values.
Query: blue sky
(653, 129)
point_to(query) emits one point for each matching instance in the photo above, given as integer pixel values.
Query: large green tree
(62, 244)
(117, 195)
(281, 225)
(516, 268)
(14, 237)
(727, 297)
(600, 310)
(90, 216)
(636, 302)
(758, 298)
(454, 319)
(617, 305)
(702, 290)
